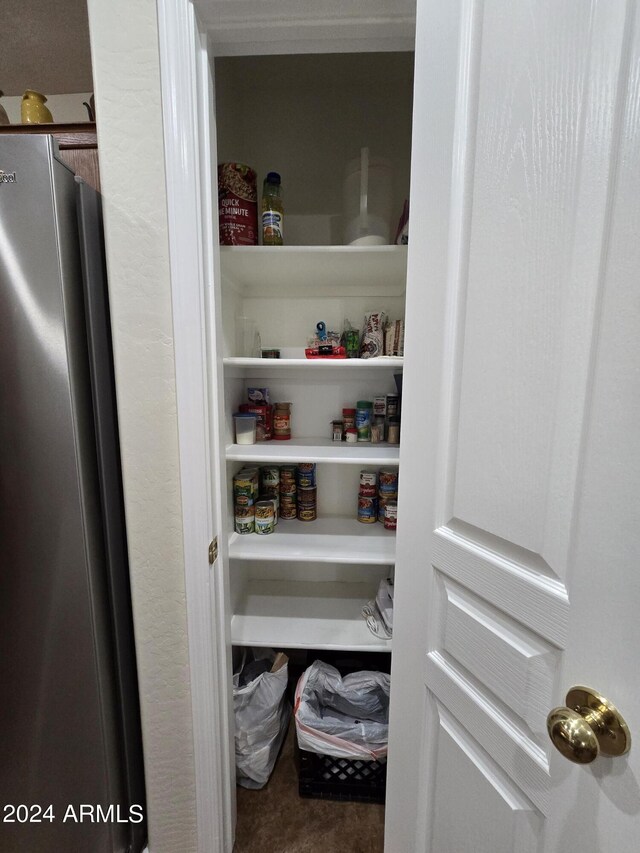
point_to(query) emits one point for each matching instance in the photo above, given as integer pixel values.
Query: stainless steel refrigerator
(71, 770)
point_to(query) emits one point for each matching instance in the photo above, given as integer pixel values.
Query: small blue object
(321, 329)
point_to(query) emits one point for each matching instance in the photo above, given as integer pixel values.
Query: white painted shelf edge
(304, 614)
(326, 540)
(315, 450)
(330, 364)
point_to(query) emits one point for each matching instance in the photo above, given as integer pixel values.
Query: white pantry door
(518, 566)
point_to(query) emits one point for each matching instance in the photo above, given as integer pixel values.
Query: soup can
(269, 476)
(367, 510)
(307, 495)
(243, 500)
(265, 517)
(369, 478)
(288, 506)
(391, 515)
(307, 512)
(288, 480)
(368, 491)
(306, 474)
(382, 503)
(237, 205)
(388, 483)
(245, 519)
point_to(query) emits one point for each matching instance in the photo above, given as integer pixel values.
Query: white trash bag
(261, 716)
(344, 717)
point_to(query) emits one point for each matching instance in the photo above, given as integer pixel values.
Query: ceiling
(44, 45)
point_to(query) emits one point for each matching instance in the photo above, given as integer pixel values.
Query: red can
(237, 205)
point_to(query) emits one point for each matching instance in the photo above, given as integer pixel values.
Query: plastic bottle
(272, 211)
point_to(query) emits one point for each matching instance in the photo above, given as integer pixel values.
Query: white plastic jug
(367, 193)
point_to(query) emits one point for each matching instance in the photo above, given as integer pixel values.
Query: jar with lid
(348, 420)
(364, 415)
(282, 422)
(393, 436)
(351, 435)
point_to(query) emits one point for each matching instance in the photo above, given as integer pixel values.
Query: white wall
(64, 108)
(124, 43)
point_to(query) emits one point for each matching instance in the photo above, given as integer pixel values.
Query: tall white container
(367, 192)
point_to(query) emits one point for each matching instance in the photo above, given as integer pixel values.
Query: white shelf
(326, 540)
(315, 450)
(247, 366)
(312, 271)
(304, 614)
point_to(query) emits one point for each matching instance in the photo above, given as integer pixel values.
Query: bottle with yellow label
(272, 211)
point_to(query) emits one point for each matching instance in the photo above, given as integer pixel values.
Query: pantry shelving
(328, 539)
(304, 585)
(237, 366)
(315, 450)
(304, 614)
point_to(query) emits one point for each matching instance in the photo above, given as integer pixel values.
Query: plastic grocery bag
(261, 716)
(344, 717)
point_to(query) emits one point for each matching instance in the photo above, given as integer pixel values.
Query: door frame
(183, 75)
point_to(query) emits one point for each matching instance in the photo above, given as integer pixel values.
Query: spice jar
(393, 436)
(336, 430)
(348, 419)
(282, 422)
(351, 435)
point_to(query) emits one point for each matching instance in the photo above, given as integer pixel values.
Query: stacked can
(388, 498)
(307, 492)
(245, 496)
(270, 487)
(265, 517)
(288, 500)
(367, 497)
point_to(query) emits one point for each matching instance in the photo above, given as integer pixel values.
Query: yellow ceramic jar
(33, 110)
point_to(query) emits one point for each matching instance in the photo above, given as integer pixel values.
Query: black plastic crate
(330, 778)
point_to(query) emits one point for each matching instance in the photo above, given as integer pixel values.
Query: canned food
(243, 500)
(388, 483)
(391, 515)
(287, 472)
(237, 205)
(368, 491)
(288, 506)
(265, 517)
(307, 513)
(270, 475)
(243, 485)
(307, 466)
(367, 509)
(245, 519)
(307, 495)
(306, 475)
(368, 478)
(382, 503)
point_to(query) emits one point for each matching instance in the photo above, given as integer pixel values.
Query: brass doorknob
(588, 726)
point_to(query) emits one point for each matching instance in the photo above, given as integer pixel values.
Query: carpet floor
(277, 820)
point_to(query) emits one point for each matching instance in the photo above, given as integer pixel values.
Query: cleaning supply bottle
(272, 211)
